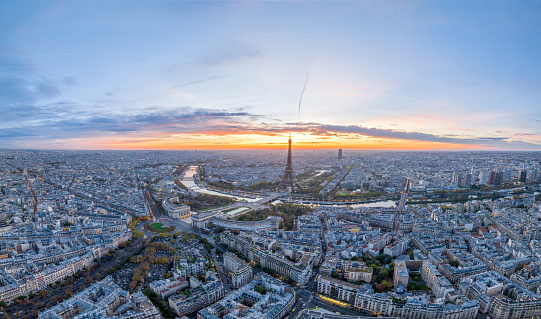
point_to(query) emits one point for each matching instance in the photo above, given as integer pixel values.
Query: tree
(383, 258)
(380, 287)
(144, 266)
(260, 289)
(335, 275)
(413, 287)
(219, 229)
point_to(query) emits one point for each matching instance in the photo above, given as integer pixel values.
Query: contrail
(302, 93)
(283, 34)
(91, 54)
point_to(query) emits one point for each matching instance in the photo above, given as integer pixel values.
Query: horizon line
(272, 149)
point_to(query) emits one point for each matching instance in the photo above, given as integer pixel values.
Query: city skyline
(417, 75)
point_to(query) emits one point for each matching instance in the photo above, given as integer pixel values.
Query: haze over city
(403, 75)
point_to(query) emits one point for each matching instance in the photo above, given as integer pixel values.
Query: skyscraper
(522, 176)
(339, 154)
(483, 178)
(507, 176)
(289, 181)
(456, 178)
(466, 181)
(498, 178)
(491, 178)
(534, 175)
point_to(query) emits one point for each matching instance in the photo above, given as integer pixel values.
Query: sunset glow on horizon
(278, 142)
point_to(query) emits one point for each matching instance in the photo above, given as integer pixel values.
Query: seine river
(187, 180)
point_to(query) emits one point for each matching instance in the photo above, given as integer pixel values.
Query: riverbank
(189, 182)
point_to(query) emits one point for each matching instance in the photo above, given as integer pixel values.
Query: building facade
(239, 270)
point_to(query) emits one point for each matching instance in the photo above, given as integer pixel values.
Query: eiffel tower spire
(289, 181)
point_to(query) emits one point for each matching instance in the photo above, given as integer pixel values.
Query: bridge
(269, 198)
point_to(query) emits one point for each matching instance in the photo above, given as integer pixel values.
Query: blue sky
(181, 74)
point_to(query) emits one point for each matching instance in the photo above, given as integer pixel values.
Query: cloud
(69, 80)
(183, 120)
(21, 112)
(15, 89)
(385, 133)
(10, 134)
(319, 129)
(230, 55)
(12, 64)
(159, 123)
(20, 82)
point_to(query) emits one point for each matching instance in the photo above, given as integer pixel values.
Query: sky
(393, 75)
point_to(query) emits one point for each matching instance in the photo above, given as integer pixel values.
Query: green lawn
(240, 210)
(157, 226)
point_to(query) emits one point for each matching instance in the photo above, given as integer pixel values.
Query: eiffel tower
(289, 181)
